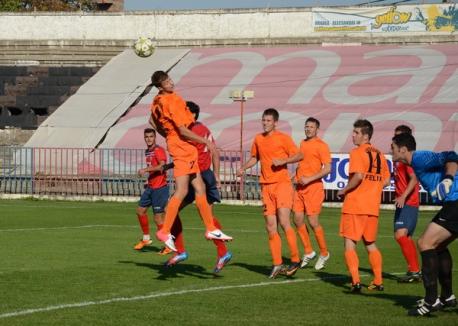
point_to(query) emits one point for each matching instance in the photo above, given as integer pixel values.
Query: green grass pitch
(72, 263)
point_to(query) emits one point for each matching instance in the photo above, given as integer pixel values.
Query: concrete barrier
(192, 27)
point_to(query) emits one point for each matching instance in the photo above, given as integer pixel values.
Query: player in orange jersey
(368, 174)
(309, 194)
(211, 179)
(156, 191)
(275, 150)
(171, 118)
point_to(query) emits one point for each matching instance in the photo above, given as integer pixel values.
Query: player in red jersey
(156, 192)
(406, 215)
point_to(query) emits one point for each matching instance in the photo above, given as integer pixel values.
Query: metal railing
(96, 172)
(113, 172)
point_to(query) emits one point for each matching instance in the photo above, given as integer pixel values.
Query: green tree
(10, 5)
(47, 5)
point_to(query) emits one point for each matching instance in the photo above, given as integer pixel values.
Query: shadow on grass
(149, 249)
(260, 269)
(179, 270)
(343, 282)
(386, 276)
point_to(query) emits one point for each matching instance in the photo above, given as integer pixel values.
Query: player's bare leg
(171, 212)
(205, 211)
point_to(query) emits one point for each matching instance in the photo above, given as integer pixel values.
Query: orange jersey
(268, 147)
(365, 198)
(316, 153)
(169, 111)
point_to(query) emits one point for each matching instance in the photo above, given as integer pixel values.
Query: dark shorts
(447, 217)
(406, 218)
(156, 198)
(211, 189)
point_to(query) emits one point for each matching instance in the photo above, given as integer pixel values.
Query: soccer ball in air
(144, 47)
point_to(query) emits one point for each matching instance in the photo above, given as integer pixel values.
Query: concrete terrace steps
(59, 54)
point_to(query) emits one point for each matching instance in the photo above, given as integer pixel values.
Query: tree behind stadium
(48, 5)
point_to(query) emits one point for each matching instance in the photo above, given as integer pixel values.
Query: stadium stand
(28, 94)
(84, 119)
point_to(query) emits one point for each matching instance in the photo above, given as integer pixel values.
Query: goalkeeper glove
(167, 166)
(443, 188)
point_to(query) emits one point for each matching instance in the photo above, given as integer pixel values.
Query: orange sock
(375, 259)
(144, 224)
(221, 248)
(292, 244)
(319, 236)
(177, 232)
(305, 239)
(171, 213)
(275, 248)
(205, 212)
(351, 258)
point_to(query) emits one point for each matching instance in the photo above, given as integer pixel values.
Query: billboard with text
(421, 18)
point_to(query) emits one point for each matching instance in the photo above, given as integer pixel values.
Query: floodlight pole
(241, 96)
(242, 181)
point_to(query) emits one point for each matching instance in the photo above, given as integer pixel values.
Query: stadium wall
(210, 27)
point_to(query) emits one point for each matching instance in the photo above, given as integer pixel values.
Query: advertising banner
(421, 18)
(338, 178)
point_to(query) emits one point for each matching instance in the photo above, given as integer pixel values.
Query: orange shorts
(357, 226)
(309, 199)
(184, 157)
(276, 195)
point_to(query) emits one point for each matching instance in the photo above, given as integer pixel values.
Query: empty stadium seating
(28, 94)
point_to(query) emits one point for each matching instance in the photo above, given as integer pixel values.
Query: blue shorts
(211, 189)
(156, 198)
(406, 218)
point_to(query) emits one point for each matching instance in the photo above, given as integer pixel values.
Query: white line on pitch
(70, 227)
(163, 294)
(130, 227)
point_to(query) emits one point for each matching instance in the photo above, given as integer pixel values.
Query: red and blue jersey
(401, 180)
(156, 179)
(205, 159)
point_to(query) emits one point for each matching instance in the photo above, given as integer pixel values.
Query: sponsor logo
(392, 17)
(216, 234)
